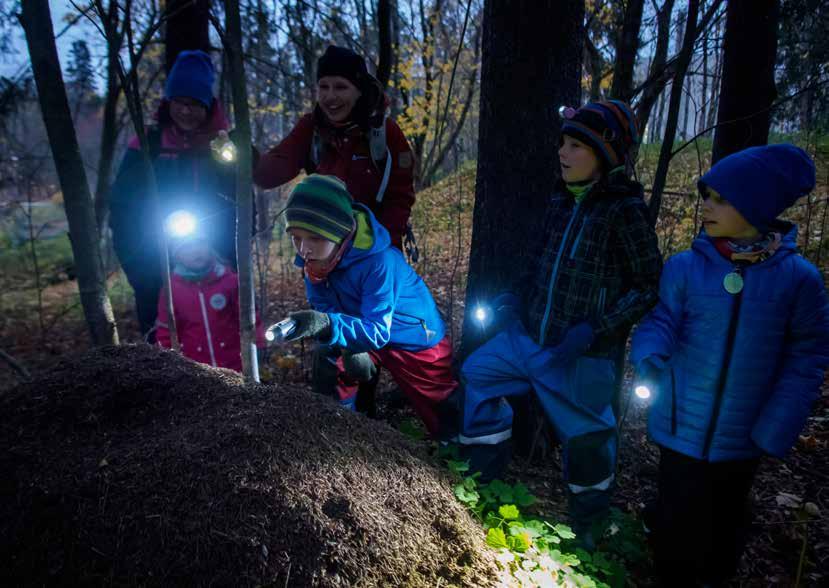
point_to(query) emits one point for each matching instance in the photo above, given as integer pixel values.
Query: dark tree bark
(717, 79)
(594, 58)
(627, 46)
(689, 104)
(244, 199)
(704, 93)
(747, 91)
(186, 29)
(80, 212)
(384, 41)
(660, 112)
(109, 127)
(666, 152)
(517, 162)
(659, 73)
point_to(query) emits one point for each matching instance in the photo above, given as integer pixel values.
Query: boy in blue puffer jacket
(369, 306)
(735, 352)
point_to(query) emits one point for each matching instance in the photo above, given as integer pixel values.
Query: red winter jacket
(344, 153)
(207, 318)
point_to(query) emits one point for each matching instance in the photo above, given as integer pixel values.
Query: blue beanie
(192, 76)
(762, 182)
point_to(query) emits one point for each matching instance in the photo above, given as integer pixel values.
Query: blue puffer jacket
(711, 406)
(374, 298)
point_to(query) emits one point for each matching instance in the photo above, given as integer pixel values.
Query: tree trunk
(660, 112)
(244, 215)
(715, 82)
(747, 91)
(627, 46)
(594, 58)
(517, 163)
(80, 212)
(689, 103)
(187, 28)
(384, 41)
(109, 126)
(704, 93)
(666, 152)
(658, 75)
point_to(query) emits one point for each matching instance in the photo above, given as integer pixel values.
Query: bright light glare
(480, 314)
(181, 224)
(269, 335)
(642, 392)
(228, 153)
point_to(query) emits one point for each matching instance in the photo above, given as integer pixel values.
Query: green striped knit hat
(321, 204)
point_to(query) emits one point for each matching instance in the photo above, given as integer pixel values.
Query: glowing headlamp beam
(181, 224)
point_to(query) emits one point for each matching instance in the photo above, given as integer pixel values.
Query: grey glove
(359, 366)
(310, 323)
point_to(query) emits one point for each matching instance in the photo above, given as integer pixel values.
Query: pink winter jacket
(207, 318)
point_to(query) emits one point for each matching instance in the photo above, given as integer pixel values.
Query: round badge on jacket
(733, 283)
(218, 301)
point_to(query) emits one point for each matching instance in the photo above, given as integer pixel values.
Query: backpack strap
(385, 181)
(379, 151)
(315, 152)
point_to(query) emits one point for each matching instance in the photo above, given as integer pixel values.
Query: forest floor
(790, 497)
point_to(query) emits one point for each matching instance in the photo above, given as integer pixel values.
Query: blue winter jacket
(714, 405)
(374, 298)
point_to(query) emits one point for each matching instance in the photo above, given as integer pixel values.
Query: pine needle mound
(132, 465)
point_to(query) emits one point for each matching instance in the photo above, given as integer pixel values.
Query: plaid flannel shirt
(600, 263)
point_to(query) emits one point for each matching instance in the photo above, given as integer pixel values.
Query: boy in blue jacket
(369, 306)
(735, 352)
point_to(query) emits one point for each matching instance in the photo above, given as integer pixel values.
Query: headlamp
(566, 112)
(181, 224)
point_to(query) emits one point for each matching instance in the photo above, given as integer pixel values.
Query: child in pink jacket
(206, 306)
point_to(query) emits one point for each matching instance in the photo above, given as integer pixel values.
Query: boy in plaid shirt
(598, 273)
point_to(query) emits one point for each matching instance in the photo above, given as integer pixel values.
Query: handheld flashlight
(642, 392)
(480, 314)
(223, 149)
(181, 224)
(280, 331)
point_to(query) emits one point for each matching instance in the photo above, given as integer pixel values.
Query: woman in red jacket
(349, 135)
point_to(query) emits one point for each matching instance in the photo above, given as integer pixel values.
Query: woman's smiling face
(337, 96)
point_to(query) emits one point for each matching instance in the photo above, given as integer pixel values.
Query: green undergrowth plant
(533, 551)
